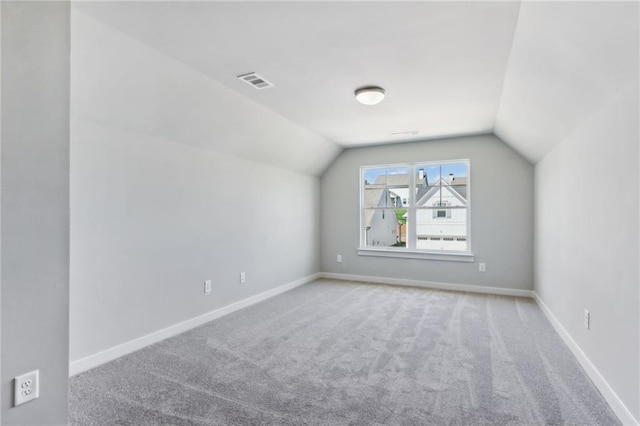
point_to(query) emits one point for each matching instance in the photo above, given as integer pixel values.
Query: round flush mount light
(370, 95)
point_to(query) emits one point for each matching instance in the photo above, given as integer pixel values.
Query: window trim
(417, 254)
(410, 251)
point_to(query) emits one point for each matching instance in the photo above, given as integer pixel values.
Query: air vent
(255, 80)
(409, 133)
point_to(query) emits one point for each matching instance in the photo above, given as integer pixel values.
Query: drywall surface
(587, 251)
(152, 217)
(123, 82)
(442, 62)
(566, 58)
(501, 214)
(35, 207)
(152, 220)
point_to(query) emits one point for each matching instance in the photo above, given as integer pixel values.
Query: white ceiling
(568, 60)
(450, 68)
(118, 82)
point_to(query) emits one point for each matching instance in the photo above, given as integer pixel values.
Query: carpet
(339, 353)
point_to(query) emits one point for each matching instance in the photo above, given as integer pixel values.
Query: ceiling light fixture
(370, 95)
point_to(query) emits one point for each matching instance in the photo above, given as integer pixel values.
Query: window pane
(385, 227)
(431, 175)
(453, 171)
(376, 196)
(442, 184)
(386, 187)
(375, 176)
(397, 176)
(402, 218)
(436, 231)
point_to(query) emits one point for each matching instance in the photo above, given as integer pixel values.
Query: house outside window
(415, 208)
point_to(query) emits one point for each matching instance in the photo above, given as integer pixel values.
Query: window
(437, 214)
(416, 210)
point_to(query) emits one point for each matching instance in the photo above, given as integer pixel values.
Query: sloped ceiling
(118, 81)
(568, 59)
(528, 71)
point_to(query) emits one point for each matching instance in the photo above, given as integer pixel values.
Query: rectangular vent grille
(255, 80)
(409, 133)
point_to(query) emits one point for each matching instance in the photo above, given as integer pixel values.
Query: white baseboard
(430, 284)
(605, 389)
(91, 361)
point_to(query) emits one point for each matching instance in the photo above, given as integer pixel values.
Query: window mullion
(411, 211)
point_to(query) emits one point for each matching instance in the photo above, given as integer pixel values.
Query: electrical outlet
(26, 388)
(587, 319)
(339, 258)
(243, 277)
(207, 287)
(482, 267)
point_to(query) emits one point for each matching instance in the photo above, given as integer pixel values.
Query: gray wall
(35, 206)
(151, 220)
(501, 216)
(587, 225)
(153, 214)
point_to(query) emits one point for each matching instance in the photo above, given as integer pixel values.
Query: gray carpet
(336, 353)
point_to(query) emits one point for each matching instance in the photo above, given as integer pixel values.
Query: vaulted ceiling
(528, 71)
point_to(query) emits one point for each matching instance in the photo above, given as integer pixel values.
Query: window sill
(407, 254)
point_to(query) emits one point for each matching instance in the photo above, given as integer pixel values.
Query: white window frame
(410, 251)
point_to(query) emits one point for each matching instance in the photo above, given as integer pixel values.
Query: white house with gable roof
(443, 228)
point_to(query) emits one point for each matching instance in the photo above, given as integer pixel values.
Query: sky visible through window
(433, 171)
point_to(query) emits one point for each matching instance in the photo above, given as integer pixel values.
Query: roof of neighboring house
(372, 197)
(458, 188)
(392, 180)
(459, 184)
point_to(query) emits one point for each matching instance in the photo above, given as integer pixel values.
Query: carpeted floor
(336, 353)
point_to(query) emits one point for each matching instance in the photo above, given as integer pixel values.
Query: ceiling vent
(409, 133)
(255, 80)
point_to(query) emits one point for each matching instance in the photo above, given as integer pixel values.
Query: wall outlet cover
(587, 319)
(207, 287)
(26, 387)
